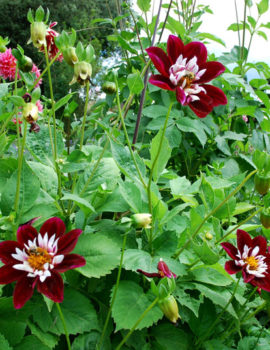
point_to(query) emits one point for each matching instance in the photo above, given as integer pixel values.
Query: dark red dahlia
(185, 70)
(36, 259)
(51, 47)
(163, 271)
(250, 257)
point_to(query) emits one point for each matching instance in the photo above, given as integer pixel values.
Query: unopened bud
(82, 73)
(38, 34)
(208, 236)
(109, 87)
(262, 183)
(70, 55)
(26, 64)
(169, 307)
(30, 112)
(142, 220)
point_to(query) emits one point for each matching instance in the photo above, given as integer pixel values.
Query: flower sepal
(142, 220)
(169, 307)
(82, 73)
(30, 112)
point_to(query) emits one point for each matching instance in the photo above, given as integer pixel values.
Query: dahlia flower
(163, 271)
(51, 47)
(251, 258)
(184, 70)
(36, 259)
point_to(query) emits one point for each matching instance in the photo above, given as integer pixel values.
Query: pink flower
(51, 47)
(39, 106)
(250, 257)
(36, 259)
(163, 271)
(245, 118)
(184, 70)
(37, 73)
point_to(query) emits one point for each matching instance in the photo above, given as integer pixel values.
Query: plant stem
(64, 325)
(114, 293)
(244, 35)
(213, 212)
(85, 113)
(137, 323)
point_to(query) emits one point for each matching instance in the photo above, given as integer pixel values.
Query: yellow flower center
(252, 262)
(189, 77)
(38, 257)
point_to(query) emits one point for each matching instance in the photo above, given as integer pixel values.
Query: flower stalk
(64, 325)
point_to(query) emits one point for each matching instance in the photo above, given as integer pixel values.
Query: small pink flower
(245, 118)
(163, 271)
(39, 106)
(51, 47)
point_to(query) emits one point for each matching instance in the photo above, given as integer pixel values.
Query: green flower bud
(262, 183)
(208, 236)
(169, 307)
(38, 34)
(142, 220)
(82, 73)
(30, 112)
(25, 64)
(265, 218)
(70, 55)
(109, 87)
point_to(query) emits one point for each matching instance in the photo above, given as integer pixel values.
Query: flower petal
(53, 226)
(161, 81)
(230, 250)
(149, 274)
(201, 107)
(6, 249)
(175, 47)
(52, 287)
(213, 70)
(260, 242)
(231, 267)
(198, 49)
(263, 283)
(23, 291)
(160, 60)
(68, 241)
(180, 95)
(26, 233)
(8, 274)
(247, 277)
(217, 95)
(243, 238)
(71, 261)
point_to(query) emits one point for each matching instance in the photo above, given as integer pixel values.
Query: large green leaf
(46, 338)
(31, 342)
(206, 274)
(144, 5)
(7, 167)
(130, 303)
(169, 337)
(101, 254)
(193, 125)
(135, 83)
(47, 177)
(4, 345)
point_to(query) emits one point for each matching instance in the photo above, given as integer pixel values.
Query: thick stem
(64, 325)
(150, 307)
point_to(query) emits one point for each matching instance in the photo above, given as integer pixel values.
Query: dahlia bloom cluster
(184, 70)
(36, 259)
(8, 67)
(251, 257)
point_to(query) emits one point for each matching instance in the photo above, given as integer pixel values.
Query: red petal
(6, 249)
(230, 250)
(217, 95)
(198, 49)
(180, 95)
(161, 81)
(243, 238)
(68, 241)
(202, 107)
(53, 226)
(52, 287)
(263, 283)
(260, 242)
(23, 291)
(175, 47)
(160, 59)
(149, 274)
(71, 261)
(26, 233)
(247, 277)
(231, 267)
(213, 70)
(8, 274)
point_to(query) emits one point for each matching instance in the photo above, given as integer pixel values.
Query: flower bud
(34, 127)
(30, 112)
(265, 218)
(70, 56)
(109, 87)
(82, 73)
(169, 307)
(26, 64)
(38, 34)
(142, 220)
(208, 236)
(262, 183)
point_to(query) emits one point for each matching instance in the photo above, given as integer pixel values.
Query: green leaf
(223, 145)
(89, 341)
(31, 342)
(265, 125)
(135, 83)
(247, 343)
(85, 206)
(205, 253)
(39, 14)
(206, 274)
(187, 300)
(252, 21)
(212, 37)
(7, 167)
(235, 27)
(242, 207)
(207, 194)
(133, 196)
(4, 345)
(215, 344)
(262, 6)
(170, 337)
(176, 26)
(17, 101)
(101, 255)
(63, 101)
(30, 16)
(47, 176)
(125, 45)
(192, 125)
(144, 5)
(46, 338)
(130, 303)
(264, 98)
(164, 154)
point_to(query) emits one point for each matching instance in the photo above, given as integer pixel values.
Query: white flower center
(184, 74)
(38, 257)
(255, 264)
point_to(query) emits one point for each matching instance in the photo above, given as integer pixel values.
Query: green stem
(85, 113)
(150, 307)
(219, 316)
(126, 134)
(213, 212)
(114, 293)
(243, 37)
(64, 325)
(149, 193)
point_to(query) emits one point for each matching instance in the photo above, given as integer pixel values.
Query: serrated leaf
(192, 125)
(206, 274)
(170, 337)
(144, 5)
(205, 253)
(31, 342)
(47, 338)
(101, 254)
(4, 345)
(135, 83)
(85, 206)
(130, 303)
